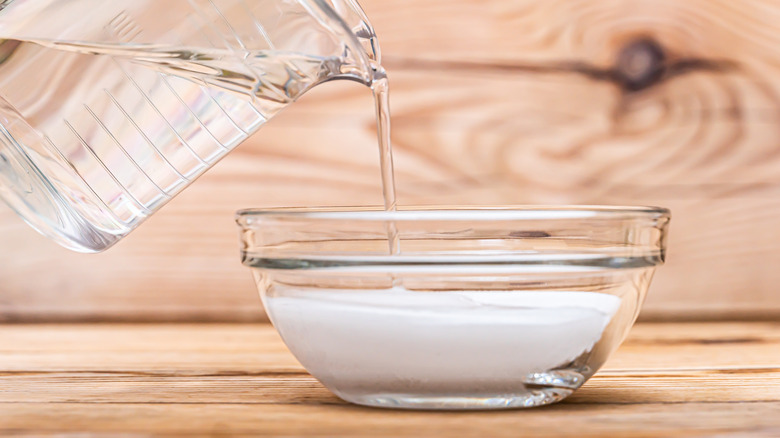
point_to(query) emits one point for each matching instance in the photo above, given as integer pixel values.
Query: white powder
(440, 341)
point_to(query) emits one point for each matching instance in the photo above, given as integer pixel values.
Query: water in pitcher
(142, 122)
(156, 154)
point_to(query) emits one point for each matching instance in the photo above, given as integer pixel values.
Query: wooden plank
(566, 420)
(565, 32)
(280, 387)
(495, 102)
(232, 348)
(210, 379)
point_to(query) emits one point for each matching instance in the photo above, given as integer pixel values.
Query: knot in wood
(640, 64)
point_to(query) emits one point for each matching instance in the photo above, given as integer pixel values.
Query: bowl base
(527, 399)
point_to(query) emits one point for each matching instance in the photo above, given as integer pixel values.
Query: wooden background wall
(667, 102)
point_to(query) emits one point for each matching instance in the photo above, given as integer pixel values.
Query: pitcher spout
(347, 20)
(357, 21)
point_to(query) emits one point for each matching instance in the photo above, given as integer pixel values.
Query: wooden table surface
(668, 379)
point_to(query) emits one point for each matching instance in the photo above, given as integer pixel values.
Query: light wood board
(493, 102)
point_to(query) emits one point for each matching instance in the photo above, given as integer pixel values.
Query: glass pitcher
(108, 109)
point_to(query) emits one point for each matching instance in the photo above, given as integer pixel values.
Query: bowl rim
(247, 217)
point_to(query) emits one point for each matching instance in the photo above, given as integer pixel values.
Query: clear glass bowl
(473, 309)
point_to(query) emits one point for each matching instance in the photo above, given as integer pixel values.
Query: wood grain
(494, 102)
(694, 379)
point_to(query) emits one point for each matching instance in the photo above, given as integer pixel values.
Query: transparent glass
(477, 309)
(109, 108)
